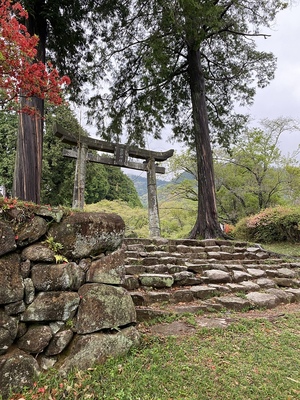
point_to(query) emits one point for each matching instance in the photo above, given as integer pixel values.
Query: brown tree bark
(207, 224)
(28, 164)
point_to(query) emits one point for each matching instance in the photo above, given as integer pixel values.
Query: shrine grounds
(254, 357)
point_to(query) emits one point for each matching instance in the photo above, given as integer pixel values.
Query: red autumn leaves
(21, 74)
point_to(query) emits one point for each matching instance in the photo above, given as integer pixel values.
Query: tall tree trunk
(207, 224)
(28, 164)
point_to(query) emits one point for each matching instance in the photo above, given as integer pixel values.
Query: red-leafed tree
(21, 75)
(25, 82)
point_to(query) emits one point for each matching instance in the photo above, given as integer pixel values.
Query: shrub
(276, 224)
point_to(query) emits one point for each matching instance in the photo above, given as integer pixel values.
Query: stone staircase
(191, 276)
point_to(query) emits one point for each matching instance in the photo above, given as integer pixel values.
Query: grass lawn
(251, 359)
(286, 248)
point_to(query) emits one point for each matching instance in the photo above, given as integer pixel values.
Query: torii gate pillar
(153, 214)
(80, 173)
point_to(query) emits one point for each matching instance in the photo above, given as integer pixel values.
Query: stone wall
(62, 303)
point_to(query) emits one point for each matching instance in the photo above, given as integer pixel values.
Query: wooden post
(153, 214)
(80, 174)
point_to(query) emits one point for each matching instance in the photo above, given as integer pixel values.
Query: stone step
(270, 298)
(178, 276)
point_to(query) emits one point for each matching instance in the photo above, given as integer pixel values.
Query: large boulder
(88, 350)
(108, 269)
(7, 238)
(8, 331)
(11, 288)
(31, 230)
(88, 234)
(17, 370)
(54, 277)
(104, 307)
(36, 339)
(52, 306)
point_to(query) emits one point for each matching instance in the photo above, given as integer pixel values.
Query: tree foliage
(185, 63)
(20, 73)
(251, 176)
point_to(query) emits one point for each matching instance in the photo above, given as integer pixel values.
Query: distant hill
(140, 184)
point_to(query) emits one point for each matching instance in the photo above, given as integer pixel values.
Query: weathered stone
(286, 282)
(15, 308)
(172, 269)
(286, 273)
(8, 331)
(56, 326)
(203, 292)
(214, 255)
(38, 252)
(59, 342)
(219, 288)
(256, 273)
(283, 296)
(54, 277)
(182, 276)
(295, 292)
(103, 307)
(158, 297)
(53, 212)
(85, 264)
(25, 269)
(235, 267)
(156, 269)
(36, 339)
(31, 230)
(7, 238)
(264, 300)
(197, 268)
(131, 282)
(235, 287)
(183, 296)
(88, 234)
(17, 370)
(239, 276)
(156, 280)
(11, 288)
(108, 269)
(215, 275)
(266, 283)
(147, 313)
(46, 363)
(29, 291)
(52, 306)
(138, 298)
(134, 269)
(250, 286)
(234, 303)
(88, 350)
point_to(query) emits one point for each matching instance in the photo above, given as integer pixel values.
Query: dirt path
(178, 328)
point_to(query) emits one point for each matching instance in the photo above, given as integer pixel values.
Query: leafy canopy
(20, 74)
(141, 67)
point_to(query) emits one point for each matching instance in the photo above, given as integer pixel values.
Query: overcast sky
(282, 97)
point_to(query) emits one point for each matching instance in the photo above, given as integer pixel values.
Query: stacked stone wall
(62, 303)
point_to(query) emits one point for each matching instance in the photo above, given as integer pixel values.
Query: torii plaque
(121, 154)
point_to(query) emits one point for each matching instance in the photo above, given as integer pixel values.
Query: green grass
(286, 248)
(248, 360)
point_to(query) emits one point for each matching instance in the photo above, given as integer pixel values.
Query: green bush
(276, 224)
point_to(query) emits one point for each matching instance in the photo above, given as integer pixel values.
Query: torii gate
(121, 154)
